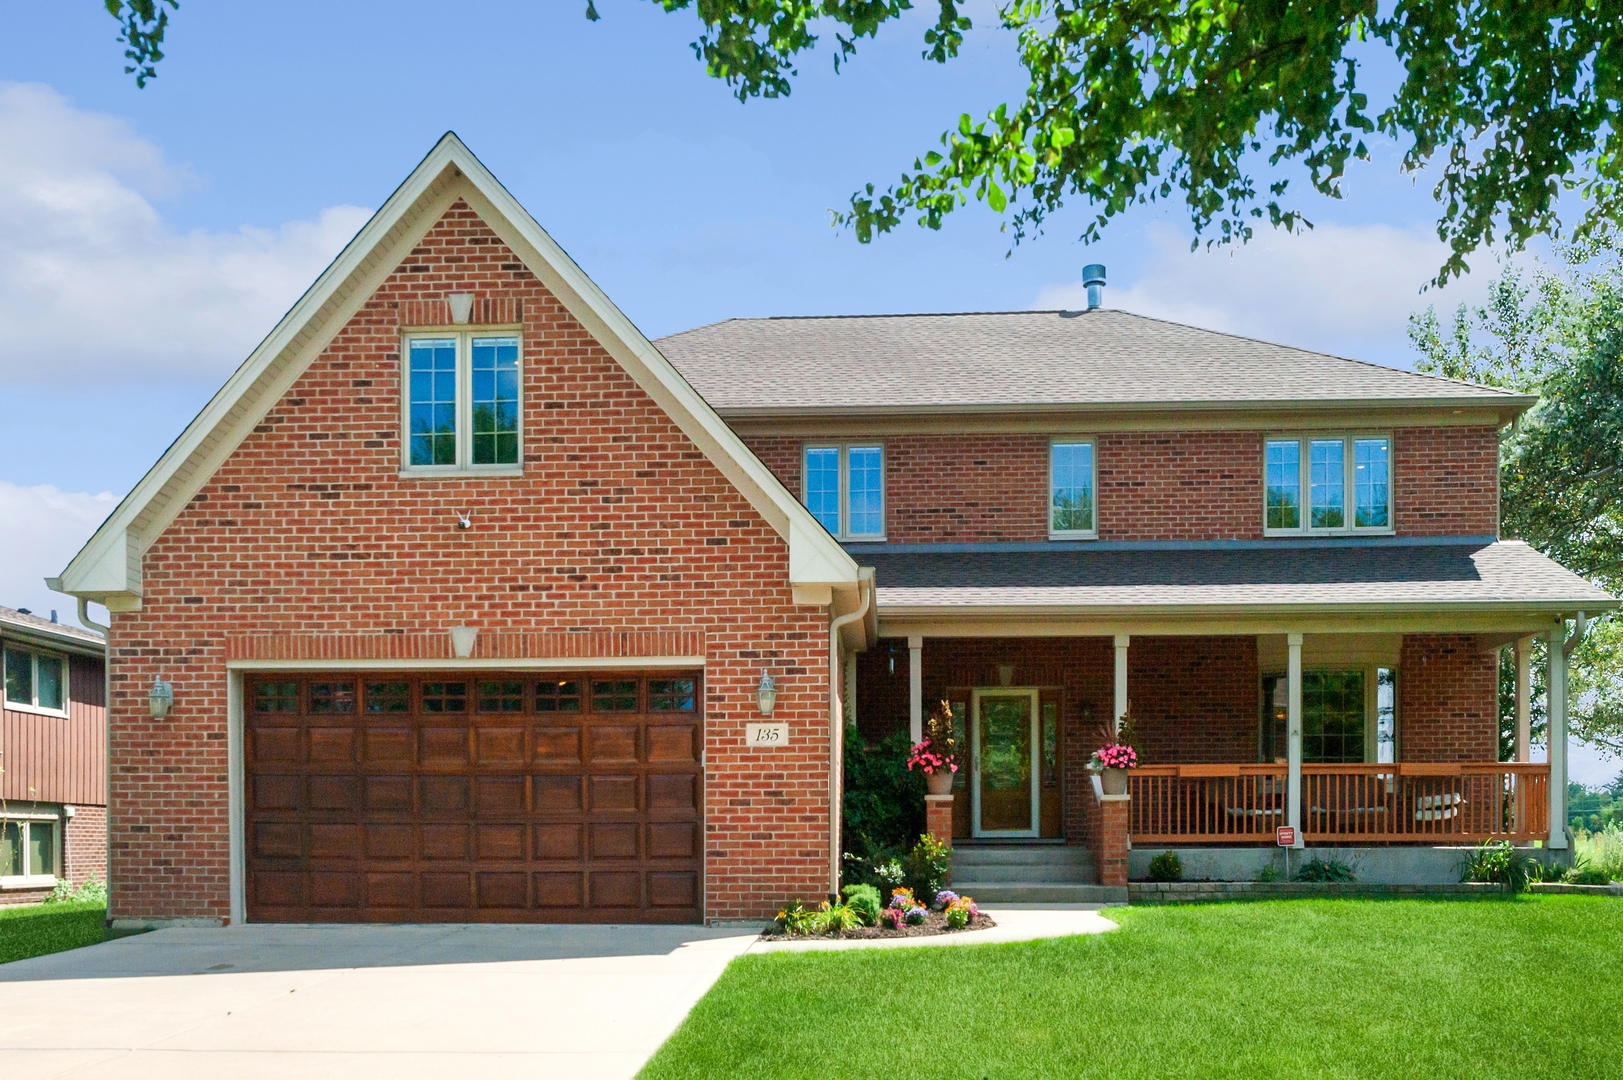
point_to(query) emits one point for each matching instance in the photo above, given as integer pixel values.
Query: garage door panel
(332, 746)
(558, 794)
(557, 745)
(555, 842)
(613, 794)
(499, 799)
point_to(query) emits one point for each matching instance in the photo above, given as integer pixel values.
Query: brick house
(475, 604)
(53, 765)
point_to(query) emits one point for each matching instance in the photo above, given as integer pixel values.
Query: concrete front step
(1039, 892)
(1037, 863)
(1021, 854)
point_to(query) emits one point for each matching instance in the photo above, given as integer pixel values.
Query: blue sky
(148, 238)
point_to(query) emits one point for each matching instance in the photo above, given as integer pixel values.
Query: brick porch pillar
(1108, 836)
(938, 817)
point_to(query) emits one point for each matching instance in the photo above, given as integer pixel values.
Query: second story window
(845, 490)
(462, 403)
(1070, 490)
(1327, 485)
(36, 681)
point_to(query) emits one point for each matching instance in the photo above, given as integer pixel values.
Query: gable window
(462, 409)
(1070, 490)
(35, 681)
(845, 490)
(1327, 485)
(28, 852)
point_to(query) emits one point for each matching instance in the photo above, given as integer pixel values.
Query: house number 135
(766, 736)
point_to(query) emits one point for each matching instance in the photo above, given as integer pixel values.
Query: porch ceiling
(1237, 578)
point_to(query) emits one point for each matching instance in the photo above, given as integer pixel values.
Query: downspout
(836, 731)
(106, 741)
(1578, 632)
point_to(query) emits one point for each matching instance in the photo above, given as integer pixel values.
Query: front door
(1004, 763)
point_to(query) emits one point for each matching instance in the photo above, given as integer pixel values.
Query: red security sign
(1285, 836)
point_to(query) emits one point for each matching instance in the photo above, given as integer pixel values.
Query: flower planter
(940, 782)
(1114, 781)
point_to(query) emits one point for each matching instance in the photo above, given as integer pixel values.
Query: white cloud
(1342, 289)
(93, 282)
(45, 527)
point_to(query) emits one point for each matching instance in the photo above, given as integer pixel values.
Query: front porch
(1232, 730)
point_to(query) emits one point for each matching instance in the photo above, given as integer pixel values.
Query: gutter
(836, 727)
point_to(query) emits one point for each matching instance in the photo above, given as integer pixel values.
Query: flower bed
(860, 916)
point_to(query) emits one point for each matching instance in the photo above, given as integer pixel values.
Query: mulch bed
(935, 922)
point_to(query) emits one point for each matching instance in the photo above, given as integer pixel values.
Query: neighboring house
(476, 605)
(53, 762)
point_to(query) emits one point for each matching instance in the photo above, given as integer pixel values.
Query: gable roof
(1031, 359)
(27, 626)
(108, 568)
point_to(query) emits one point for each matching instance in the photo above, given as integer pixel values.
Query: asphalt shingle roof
(28, 623)
(1099, 357)
(1506, 572)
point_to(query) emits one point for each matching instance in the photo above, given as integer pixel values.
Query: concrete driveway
(359, 1001)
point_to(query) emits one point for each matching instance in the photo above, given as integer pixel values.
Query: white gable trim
(108, 569)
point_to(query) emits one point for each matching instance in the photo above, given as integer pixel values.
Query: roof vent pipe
(1093, 276)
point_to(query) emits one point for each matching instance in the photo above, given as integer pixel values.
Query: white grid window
(1071, 509)
(30, 849)
(1309, 482)
(845, 489)
(462, 407)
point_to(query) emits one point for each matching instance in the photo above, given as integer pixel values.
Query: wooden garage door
(501, 798)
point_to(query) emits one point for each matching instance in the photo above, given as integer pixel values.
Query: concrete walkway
(354, 1002)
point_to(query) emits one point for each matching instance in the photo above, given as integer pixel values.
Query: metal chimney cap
(1093, 274)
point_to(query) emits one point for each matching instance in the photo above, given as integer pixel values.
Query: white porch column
(1293, 723)
(915, 687)
(1122, 641)
(1524, 698)
(1557, 713)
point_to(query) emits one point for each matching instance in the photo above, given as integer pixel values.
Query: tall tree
(1216, 101)
(1559, 335)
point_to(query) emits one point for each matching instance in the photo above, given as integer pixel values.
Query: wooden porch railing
(1410, 802)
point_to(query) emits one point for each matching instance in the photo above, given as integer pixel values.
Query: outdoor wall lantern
(161, 697)
(766, 695)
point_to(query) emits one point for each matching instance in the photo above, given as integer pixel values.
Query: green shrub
(92, 890)
(957, 917)
(865, 901)
(797, 918)
(1317, 869)
(883, 805)
(1602, 850)
(47, 928)
(1166, 867)
(1499, 862)
(833, 918)
(928, 865)
(1586, 875)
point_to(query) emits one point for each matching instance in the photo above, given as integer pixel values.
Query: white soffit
(107, 569)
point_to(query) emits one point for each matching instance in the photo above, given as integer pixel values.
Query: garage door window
(276, 697)
(445, 697)
(614, 695)
(560, 696)
(332, 697)
(501, 696)
(670, 695)
(388, 697)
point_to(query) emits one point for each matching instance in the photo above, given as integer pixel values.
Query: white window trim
(464, 403)
(34, 655)
(844, 533)
(1348, 491)
(40, 881)
(1048, 499)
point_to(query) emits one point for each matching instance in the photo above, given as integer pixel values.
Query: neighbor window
(1070, 490)
(28, 851)
(462, 402)
(36, 680)
(845, 489)
(1309, 483)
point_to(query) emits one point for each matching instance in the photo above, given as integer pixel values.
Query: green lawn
(1418, 990)
(38, 929)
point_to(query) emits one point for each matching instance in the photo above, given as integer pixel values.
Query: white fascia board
(814, 556)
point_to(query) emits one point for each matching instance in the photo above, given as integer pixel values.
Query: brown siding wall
(1167, 485)
(54, 758)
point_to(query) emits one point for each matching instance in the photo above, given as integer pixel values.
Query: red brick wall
(618, 524)
(86, 837)
(1169, 485)
(1193, 699)
(1448, 481)
(1448, 699)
